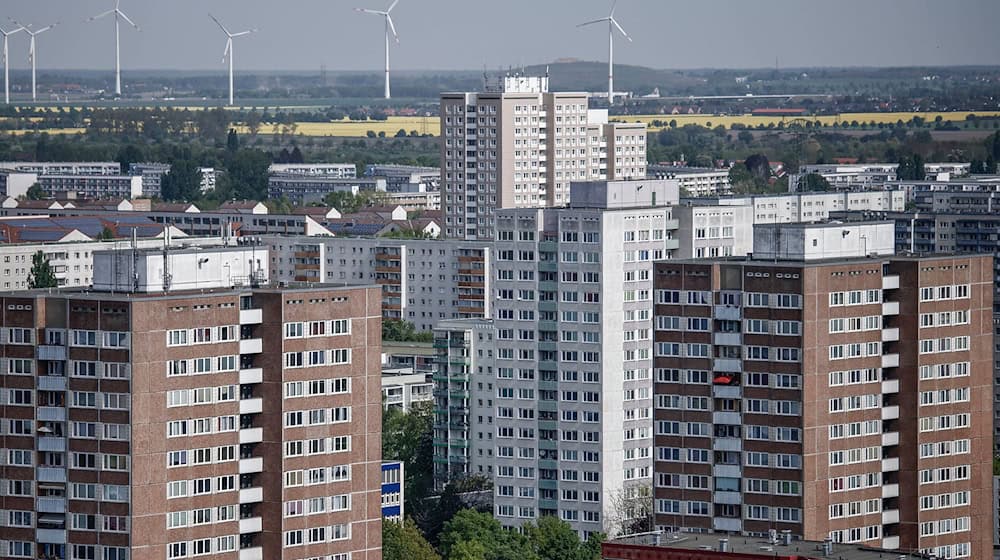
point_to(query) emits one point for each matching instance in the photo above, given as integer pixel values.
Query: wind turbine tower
(229, 52)
(6, 63)
(612, 24)
(118, 61)
(389, 27)
(32, 53)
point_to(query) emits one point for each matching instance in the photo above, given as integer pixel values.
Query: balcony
(251, 316)
(732, 418)
(252, 435)
(890, 386)
(727, 364)
(726, 391)
(727, 339)
(890, 360)
(890, 438)
(52, 413)
(251, 406)
(51, 505)
(890, 412)
(727, 444)
(255, 553)
(671, 244)
(890, 335)
(51, 352)
(891, 543)
(727, 471)
(52, 443)
(671, 224)
(51, 383)
(727, 524)
(890, 491)
(727, 312)
(251, 525)
(251, 346)
(251, 375)
(890, 465)
(54, 536)
(890, 308)
(251, 465)
(251, 495)
(726, 498)
(51, 474)
(890, 282)
(890, 516)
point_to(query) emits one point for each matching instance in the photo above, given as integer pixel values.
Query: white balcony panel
(251, 316)
(727, 312)
(726, 418)
(890, 516)
(727, 444)
(890, 308)
(251, 525)
(726, 497)
(726, 524)
(727, 364)
(251, 346)
(890, 490)
(890, 438)
(251, 375)
(890, 412)
(50, 443)
(890, 282)
(890, 386)
(51, 352)
(891, 543)
(251, 465)
(51, 383)
(727, 339)
(727, 471)
(255, 553)
(251, 495)
(51, 474)
(51, 505)
(251, 406)
(54, 536)
(726, 391)
(252, 435)
(890, 360)
(52, 413)
(890, 465)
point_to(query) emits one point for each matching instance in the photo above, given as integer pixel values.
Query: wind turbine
(118, 61)
(388, 27)
(6, 64)
(612, 24)
(229, 51)
(31, 50)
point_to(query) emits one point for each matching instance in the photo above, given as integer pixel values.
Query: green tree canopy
(35, 192)
(401, 330)
(41, 275)
(814, 182)
(403, 541)
(491, 540)
(554, 539)
(182, 183)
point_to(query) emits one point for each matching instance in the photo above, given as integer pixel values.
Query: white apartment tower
(572, 424)
(517, 145)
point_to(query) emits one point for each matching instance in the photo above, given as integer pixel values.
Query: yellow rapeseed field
(359, 129)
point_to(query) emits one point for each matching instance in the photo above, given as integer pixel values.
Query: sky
(470, 34)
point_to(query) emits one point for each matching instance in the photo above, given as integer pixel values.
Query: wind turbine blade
(389, 9)
(242, 33)
(46, 28)
(622, 30)
(219, 23)
(125, 17)
(100, 15)
(367, 11)
(229, 46)
(613, 6)
(593, 22)
(392, 27)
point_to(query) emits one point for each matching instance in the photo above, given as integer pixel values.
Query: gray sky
(454, 34)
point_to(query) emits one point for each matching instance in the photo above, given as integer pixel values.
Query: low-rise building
(328, 170)
(308, 189)
(406, 178)
(694, 181)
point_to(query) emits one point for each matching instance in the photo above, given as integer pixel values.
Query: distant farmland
(431, 125)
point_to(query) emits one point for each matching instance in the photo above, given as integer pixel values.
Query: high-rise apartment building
(185, 407)
(847, 399)
(517, 145)
(564, 419)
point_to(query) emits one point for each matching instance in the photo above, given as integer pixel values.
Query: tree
(232, 140)
(106, 234)
(814, 182)
(633, 509)
(182, 182)
(403, 541)
(247, 174)
(296, 156)
(759, 167)
(409, 437)
(493, 542)
(35, 192)
(469, 492)
(401, 330)
(745, 136)
(554, 539)
(128, 155)
(41, 275)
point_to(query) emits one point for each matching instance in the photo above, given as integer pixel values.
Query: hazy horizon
(304, 35)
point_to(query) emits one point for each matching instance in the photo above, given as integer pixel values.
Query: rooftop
(751, 548)
(270, 287)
